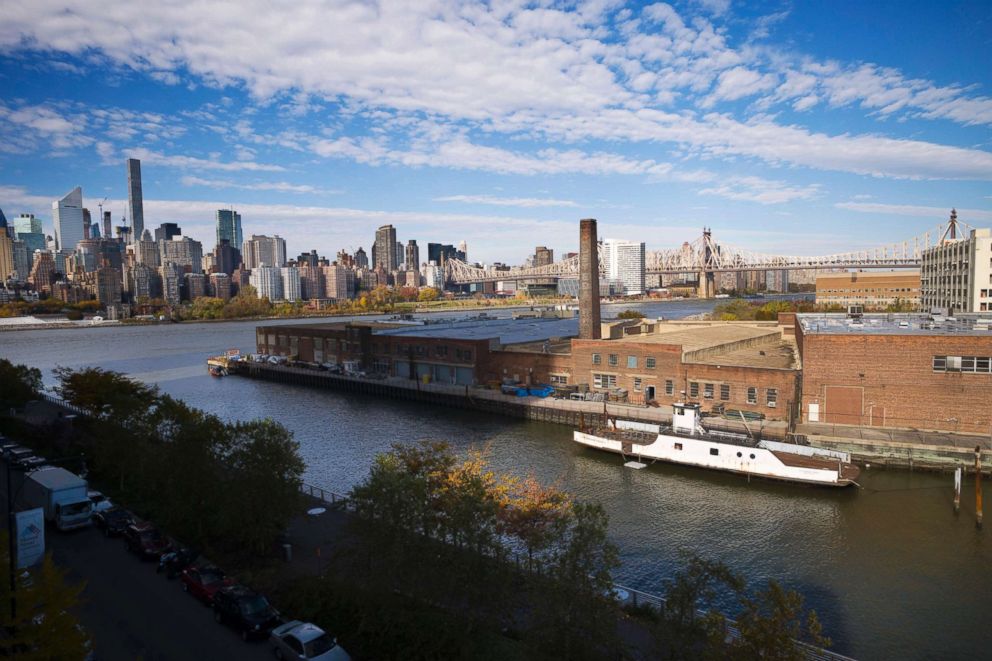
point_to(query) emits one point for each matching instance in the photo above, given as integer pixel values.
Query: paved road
(133, 613)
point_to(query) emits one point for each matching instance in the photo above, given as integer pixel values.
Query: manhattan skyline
(792, 129)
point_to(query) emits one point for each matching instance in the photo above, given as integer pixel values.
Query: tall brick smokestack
(589, 328)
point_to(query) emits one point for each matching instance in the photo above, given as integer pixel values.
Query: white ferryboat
(687, 442)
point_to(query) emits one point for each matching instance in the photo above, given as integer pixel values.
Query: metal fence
(325, 495)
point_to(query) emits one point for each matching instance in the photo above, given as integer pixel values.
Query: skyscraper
(4, 228)
(7, 268)
(182, 251)
(385, 248)
(27, 228)
(267, 250)
(229, 227)
(361, 259)
(108, 230)
(67, 214)
(135, 207)
(412, 256)
(166, 231)
(624, 261)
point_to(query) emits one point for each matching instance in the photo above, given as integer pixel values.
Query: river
(891, 570)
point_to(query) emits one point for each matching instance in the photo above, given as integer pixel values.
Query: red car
(203, 582)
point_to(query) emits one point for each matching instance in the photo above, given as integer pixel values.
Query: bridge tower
(707, 279)
(589, 321)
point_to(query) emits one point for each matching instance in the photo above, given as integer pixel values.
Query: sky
(803, 128)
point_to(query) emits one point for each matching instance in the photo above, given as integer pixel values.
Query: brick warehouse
(911, 371)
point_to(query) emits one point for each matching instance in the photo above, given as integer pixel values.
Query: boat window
(678, 446)
(752, 456)
(739, 454)
(714, 451)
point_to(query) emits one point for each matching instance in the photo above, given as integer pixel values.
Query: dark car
(145, 540)
(17, 454)
(247, 611)
(203, 582)
(113, 522)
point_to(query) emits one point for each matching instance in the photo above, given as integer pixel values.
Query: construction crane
(101, 208)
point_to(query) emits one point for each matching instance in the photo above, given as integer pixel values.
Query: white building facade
(291, 290)
(67, 214)
(267, 281)
(957, 274)
(624, 261)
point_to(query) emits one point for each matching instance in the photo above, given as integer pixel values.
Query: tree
(427, 294)
(630, 314)
(105, 394)
(771, 622)
(19, 384)
(45, 627)
(536, 514)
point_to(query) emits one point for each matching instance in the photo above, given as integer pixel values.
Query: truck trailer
(62, 495)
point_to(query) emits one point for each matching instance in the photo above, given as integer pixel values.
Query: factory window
(468, 354)
(649, 362)
(637, 384)
(694, 390)
(983, 364)
(772, 398)
(708, 390)
(669, 387)
(441, 350)
(752, 395)
(724, 392)
(558, 379)
(632, 362)
(614, 360)
(604, 380)
(596, 359)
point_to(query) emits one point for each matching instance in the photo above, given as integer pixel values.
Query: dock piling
(957, 490)
(978, 486)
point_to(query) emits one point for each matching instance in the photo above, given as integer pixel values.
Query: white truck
(63, 495)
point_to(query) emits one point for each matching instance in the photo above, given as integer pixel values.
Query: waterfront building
(291, 283)
(183, 251)
(624, 261)
(135, 203)
(166, 232)
(67, 214)
(956, 275)
(412, 256)
(433, 276)
(897, 370)
(194, 286)
(28, 229)
(384, 249)
(69, 292)
(370, 279)
(220, 286)
(777, 281)
(229, 229)
(267, 250)
(871, 290)
(267, 281)
(172, 277)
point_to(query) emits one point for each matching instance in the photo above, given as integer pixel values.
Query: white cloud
(938, 213)
(738, 83)
(194, 163)
(763, 191)
(277, 186)
(526, 202)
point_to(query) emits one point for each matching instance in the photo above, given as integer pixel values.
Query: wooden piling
(978, 486)
(957, 489)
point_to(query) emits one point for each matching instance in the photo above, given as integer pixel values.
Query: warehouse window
(614, 360)
(632, 362)
(724, 392)
(752, 395)
(649, 362)
(604, 380)
(637, 384)
(558, 379)
(596, 359)
(693, 390)
(669, 387)
(772, 398)
(708, 390)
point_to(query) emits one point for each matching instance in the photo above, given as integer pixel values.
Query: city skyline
(796, 130)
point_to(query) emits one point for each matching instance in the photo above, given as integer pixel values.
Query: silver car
(302, 640)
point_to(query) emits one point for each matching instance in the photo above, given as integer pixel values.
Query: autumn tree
(630, 314)
(19, 384)
(770, 624)
(427, 294)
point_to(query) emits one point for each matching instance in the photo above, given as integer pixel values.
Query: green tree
(45, 627)
(770, 624)
(19, 384)
(630, 314)
(427, 294)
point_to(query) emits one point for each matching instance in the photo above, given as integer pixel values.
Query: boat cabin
(686, 419)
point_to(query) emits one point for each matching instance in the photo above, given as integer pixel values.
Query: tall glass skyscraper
(135, 205)
(229, 227)
(67, 215)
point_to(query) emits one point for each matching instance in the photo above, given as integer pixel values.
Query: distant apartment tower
(144, 281)
(146, 251)
(108, 222)
(220, 286)
(183, 251)
(267, 281)
(194, 286)
(135, 204)
(412, 256)
(67, 214)
(361, 259)
(291, 288)
(385, 248)
(267, 250)
(7, 268)
(339, 282)
(624, 261)
(957, 274)
(27, 228)
(543, 256)
(172, 278)
(166, 231)
(229, 228)
(311, 280)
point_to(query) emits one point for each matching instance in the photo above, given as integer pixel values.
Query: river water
(893, 573)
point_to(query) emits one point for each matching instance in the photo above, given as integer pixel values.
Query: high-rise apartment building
(108, 230)
(311, 281)
(267, 281)
(220, 286)
(194, 286)
(22, 260)
(229, 228)
(7, 268)
(144, 281)
(27, 228)
(146, 251)
(412, 256)
(183, 251)
(543, 256)
(43, 272)
(624, 261)
(67, 214)
(135, 204)
(108, 285)
(385, 248)
(267, 250)
(166, 231)
(957, 274)
(339, 282)
(290, 283)
(172, 278)
(361, 259)
(226, 258)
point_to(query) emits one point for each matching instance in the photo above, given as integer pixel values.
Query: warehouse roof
(896, 324)
(506, 331)
(702, 336)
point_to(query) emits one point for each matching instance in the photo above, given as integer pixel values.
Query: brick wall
(888, 380)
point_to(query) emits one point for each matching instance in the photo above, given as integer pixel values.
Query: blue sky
(790, 128)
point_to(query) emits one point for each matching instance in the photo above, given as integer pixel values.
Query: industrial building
(956, 275)
(871, 290)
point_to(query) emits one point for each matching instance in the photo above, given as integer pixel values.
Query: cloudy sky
(789, 127)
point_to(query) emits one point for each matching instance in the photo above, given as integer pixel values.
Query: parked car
(112, 521)
(15, 455)
(30, 463)
(100, 502)
(145, 540)
(302, 640)
(247, 611)
(203, 582)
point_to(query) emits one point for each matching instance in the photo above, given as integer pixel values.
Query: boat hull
(727, 457)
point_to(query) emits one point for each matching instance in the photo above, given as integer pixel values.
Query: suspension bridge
(705, 257)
